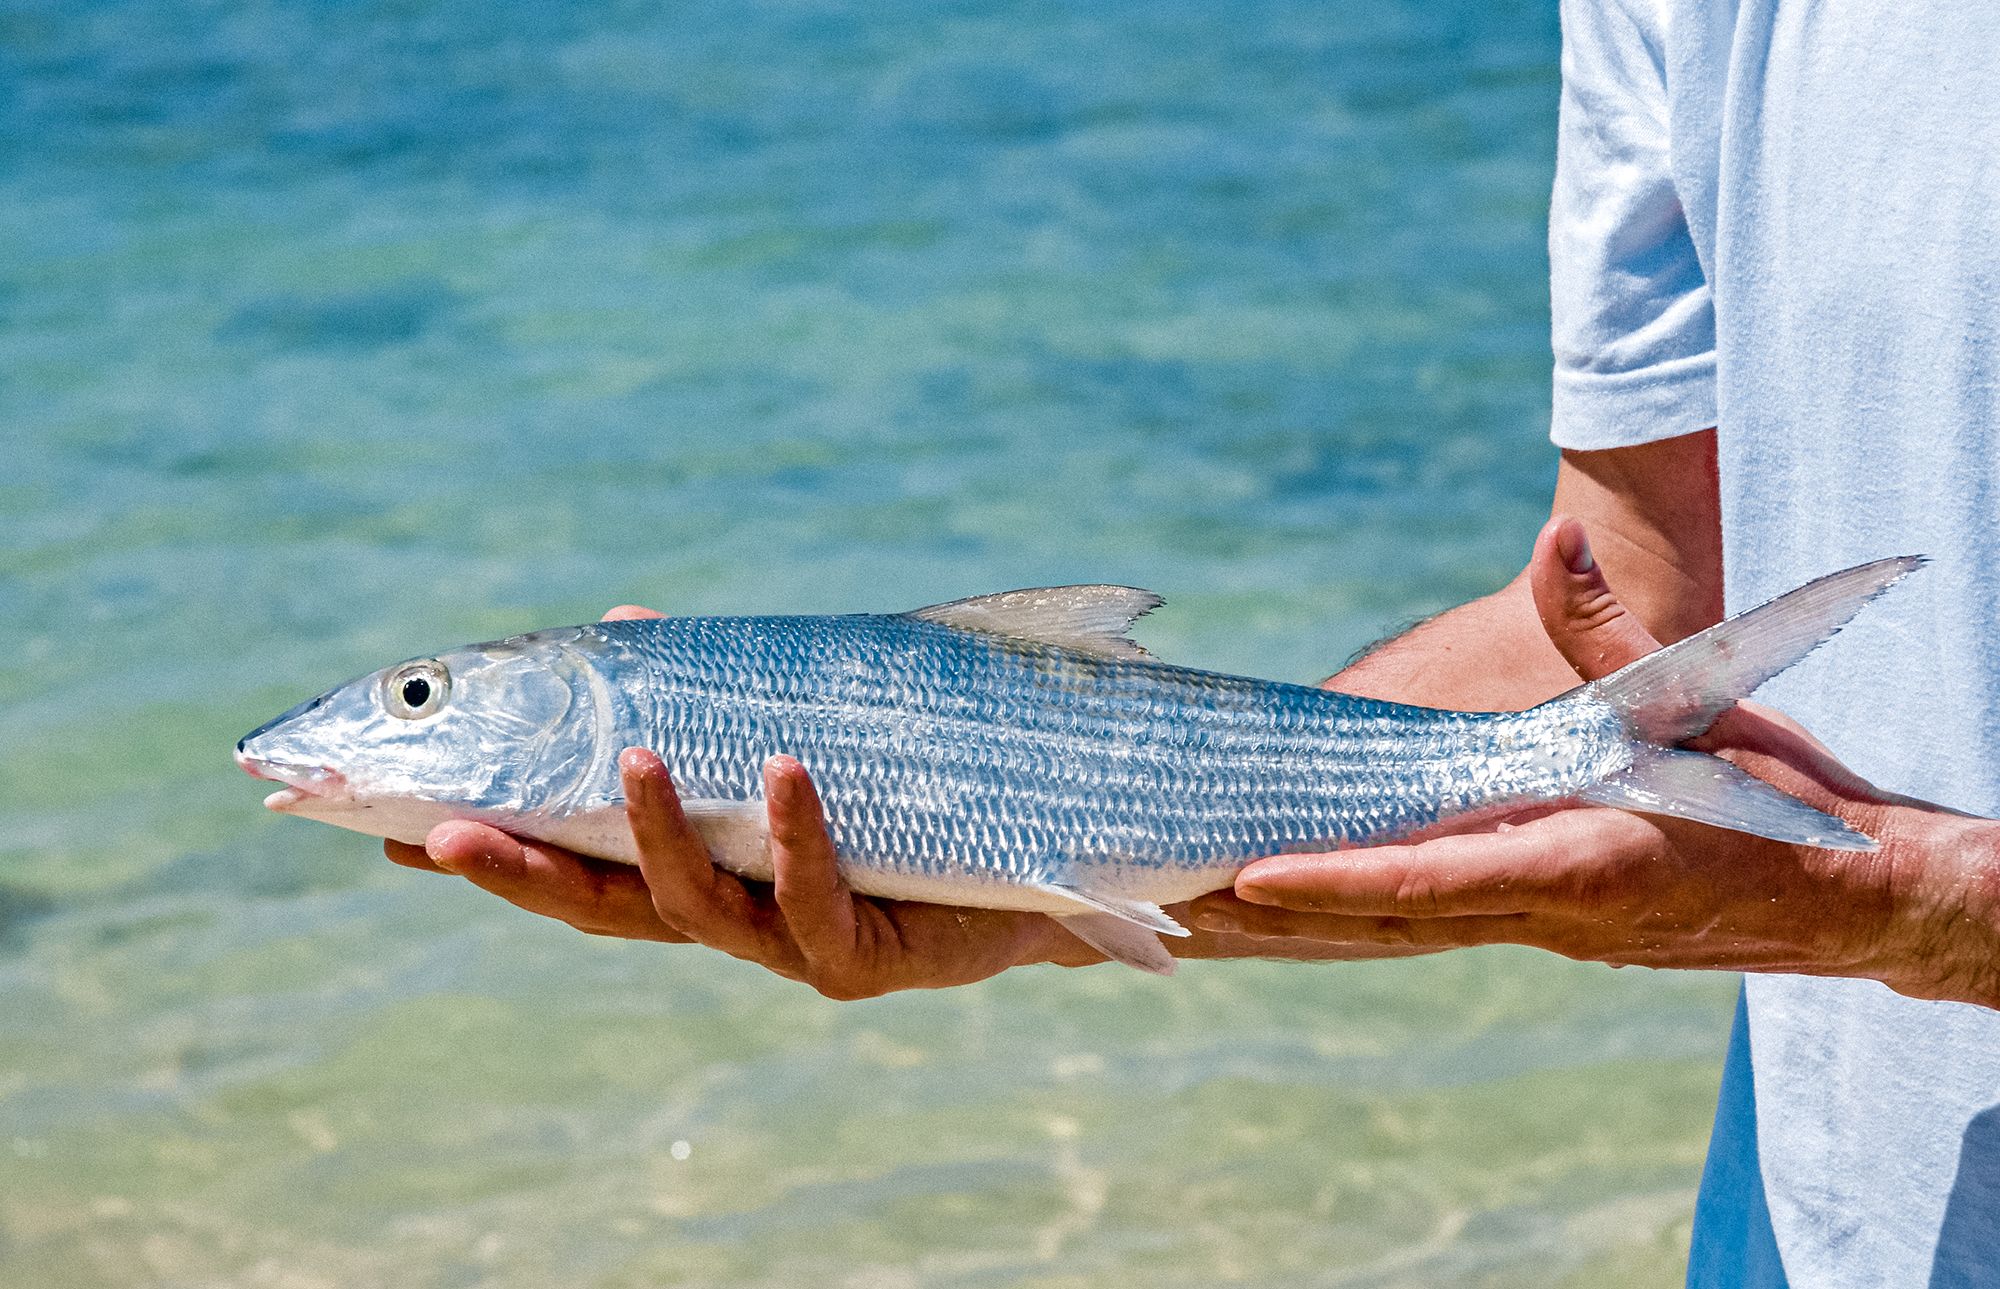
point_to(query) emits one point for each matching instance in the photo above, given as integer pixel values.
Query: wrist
(1947, 873)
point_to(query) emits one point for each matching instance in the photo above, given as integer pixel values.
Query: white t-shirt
(1782, 217)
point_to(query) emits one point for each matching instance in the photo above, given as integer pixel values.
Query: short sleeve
(1633, 324)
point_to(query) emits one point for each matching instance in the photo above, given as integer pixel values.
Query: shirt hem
(1593, 411)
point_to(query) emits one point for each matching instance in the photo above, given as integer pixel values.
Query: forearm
(1940, 932)
(1653, 515)
(1487, 655)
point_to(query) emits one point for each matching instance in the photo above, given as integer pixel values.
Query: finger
(627, 612)
(1518, 870)
(688, 891)
(402, 852)
(591, 895)
(1224, 915)
(816, 903)
(1585, 620)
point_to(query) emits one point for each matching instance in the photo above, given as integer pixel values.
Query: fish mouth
(303, 783)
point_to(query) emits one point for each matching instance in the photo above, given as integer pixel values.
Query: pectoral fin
(737, 832)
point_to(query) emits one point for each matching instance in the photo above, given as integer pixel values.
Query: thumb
(1585, 621)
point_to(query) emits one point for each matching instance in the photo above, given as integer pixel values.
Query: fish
(1019, 750)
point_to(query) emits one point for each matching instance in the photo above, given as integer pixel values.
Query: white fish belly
(738, 841)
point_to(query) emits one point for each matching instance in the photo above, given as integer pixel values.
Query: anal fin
(1121, 941)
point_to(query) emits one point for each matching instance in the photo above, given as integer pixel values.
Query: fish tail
(1678, 692)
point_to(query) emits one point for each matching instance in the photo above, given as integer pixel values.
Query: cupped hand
(1599, 884)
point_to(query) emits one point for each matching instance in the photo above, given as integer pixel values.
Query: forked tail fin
(1678, 692)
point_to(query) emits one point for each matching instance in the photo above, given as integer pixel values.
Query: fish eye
(416, 689)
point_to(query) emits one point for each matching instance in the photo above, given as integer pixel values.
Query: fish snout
(301, 782)
(249, 764)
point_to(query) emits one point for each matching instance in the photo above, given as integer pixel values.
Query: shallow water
(332, 334)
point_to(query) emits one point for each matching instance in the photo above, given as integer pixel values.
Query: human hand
(806, 925)
(1921, 914)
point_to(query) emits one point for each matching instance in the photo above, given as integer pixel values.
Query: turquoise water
(334, 333)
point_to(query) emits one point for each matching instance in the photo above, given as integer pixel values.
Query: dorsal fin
(1088, 619)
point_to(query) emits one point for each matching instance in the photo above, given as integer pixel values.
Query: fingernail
(1255, 895)
(485, 855)
(780, 781)
(1213, 920)
(1574, 546)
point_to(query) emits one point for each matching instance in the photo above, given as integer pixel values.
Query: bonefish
(1017, 750)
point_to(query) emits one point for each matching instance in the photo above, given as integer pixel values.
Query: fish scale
(936, 749)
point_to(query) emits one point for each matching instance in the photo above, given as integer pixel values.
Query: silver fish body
(969, 764)
(990, 753)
